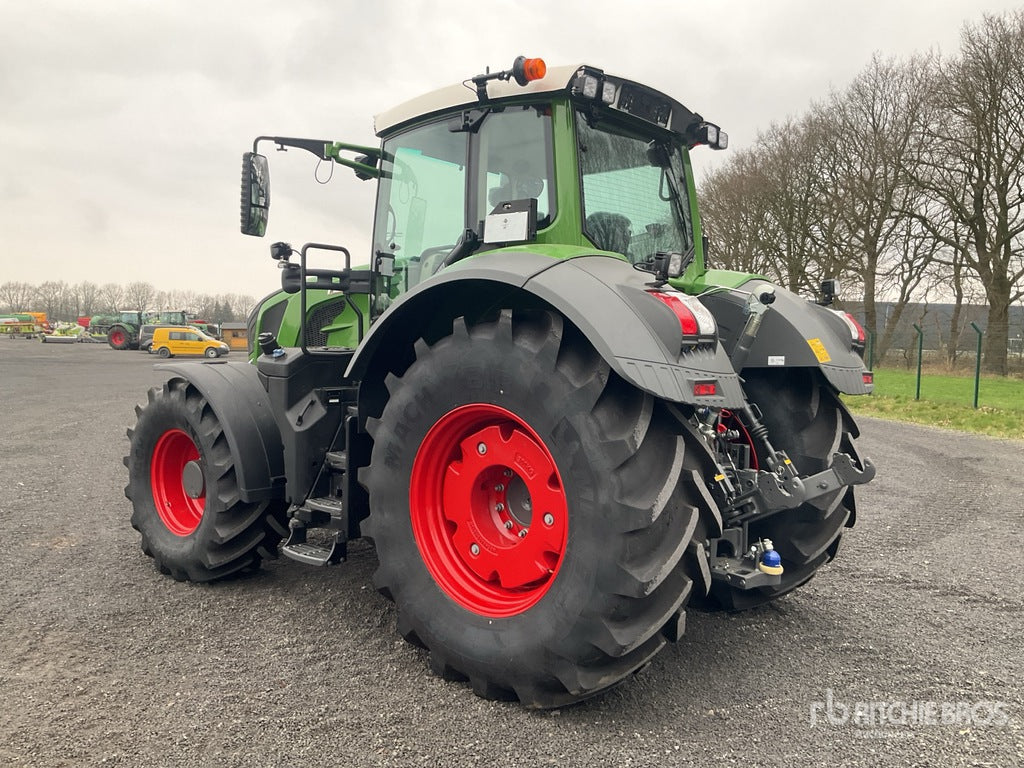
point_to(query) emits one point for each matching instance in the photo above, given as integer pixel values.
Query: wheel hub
(176, 479)
(192, 480)
(488, 509)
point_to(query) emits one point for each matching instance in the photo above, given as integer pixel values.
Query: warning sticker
(819, 350)
(776, 359)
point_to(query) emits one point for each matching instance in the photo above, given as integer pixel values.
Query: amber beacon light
(523, 71)
(526, 70)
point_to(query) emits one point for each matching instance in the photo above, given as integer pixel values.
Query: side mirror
(255, 200)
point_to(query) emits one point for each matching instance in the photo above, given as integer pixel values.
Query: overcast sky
(122, 122)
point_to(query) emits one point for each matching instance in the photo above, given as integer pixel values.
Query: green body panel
(340, 328)
(567, 227)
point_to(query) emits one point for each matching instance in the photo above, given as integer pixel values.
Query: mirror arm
(330, 150)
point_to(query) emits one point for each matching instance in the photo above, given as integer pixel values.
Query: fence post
(977, 364)
(920, 354)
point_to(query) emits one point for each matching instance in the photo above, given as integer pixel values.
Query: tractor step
(302, 551)
(338, 460)
(312, 554)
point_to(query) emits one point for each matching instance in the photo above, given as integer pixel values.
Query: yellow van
(171, 340)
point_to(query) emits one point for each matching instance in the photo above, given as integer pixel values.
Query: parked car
(146, 337)
(175, 340)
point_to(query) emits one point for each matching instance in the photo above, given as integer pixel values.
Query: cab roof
(585, 84)
(464, 94)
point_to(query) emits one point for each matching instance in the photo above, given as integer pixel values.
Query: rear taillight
(695, 321)
(857, 334)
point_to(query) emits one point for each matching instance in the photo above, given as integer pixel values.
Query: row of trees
(67, 302)
(909, 183)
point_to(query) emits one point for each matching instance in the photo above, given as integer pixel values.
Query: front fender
(605, 297)
(237, 397)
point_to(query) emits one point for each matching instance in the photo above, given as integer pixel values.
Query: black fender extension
(237, 397)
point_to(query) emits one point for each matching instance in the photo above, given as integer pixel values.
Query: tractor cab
(571, 160)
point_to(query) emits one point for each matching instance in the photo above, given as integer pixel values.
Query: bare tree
(874, 129)
(52, 297)
(86, 296)
(110, 298)
(140, 295)
(241, 306)
(16, 296)
(762, 208)
(976, 170)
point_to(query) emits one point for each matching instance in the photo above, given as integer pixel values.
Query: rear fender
(604, 297)
(794, 332)
(236, 395)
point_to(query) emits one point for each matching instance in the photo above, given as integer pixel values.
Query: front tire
(532, 512)
(184, 492)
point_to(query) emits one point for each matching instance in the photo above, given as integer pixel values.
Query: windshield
(634, 192)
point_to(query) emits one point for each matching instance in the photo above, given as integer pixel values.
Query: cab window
(634, 192)
(422, 209)
(421, 200)
(515, 150)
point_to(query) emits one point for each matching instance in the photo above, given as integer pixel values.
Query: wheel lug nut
(508, 524)
(474, 549)
(481, 448)
(508, 473)
(499, 488)
(499, 507)
(549, 519)
(522, 533)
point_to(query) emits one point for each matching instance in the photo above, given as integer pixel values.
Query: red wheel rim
(117, 337)
(488, 510)
(180, 512)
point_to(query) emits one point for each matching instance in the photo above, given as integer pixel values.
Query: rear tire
(118, 337)
(517, 425)
(807, 420)
(182, 484)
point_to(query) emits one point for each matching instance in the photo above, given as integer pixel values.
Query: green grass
(946, 401)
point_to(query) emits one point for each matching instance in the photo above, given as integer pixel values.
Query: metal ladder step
(302, 551)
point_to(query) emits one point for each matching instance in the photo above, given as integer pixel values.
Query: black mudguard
(236, 395)
(637, 335)
(794, 332)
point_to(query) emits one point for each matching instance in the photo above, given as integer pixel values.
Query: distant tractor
(122, 330)
(557, 425)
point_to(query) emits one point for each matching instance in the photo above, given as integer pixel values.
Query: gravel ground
(105, 662)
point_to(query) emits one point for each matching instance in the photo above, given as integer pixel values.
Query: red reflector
(705, 389)
(869, 377)
(857, 328)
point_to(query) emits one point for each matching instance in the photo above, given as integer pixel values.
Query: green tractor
(558, 427)
(124, 328)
